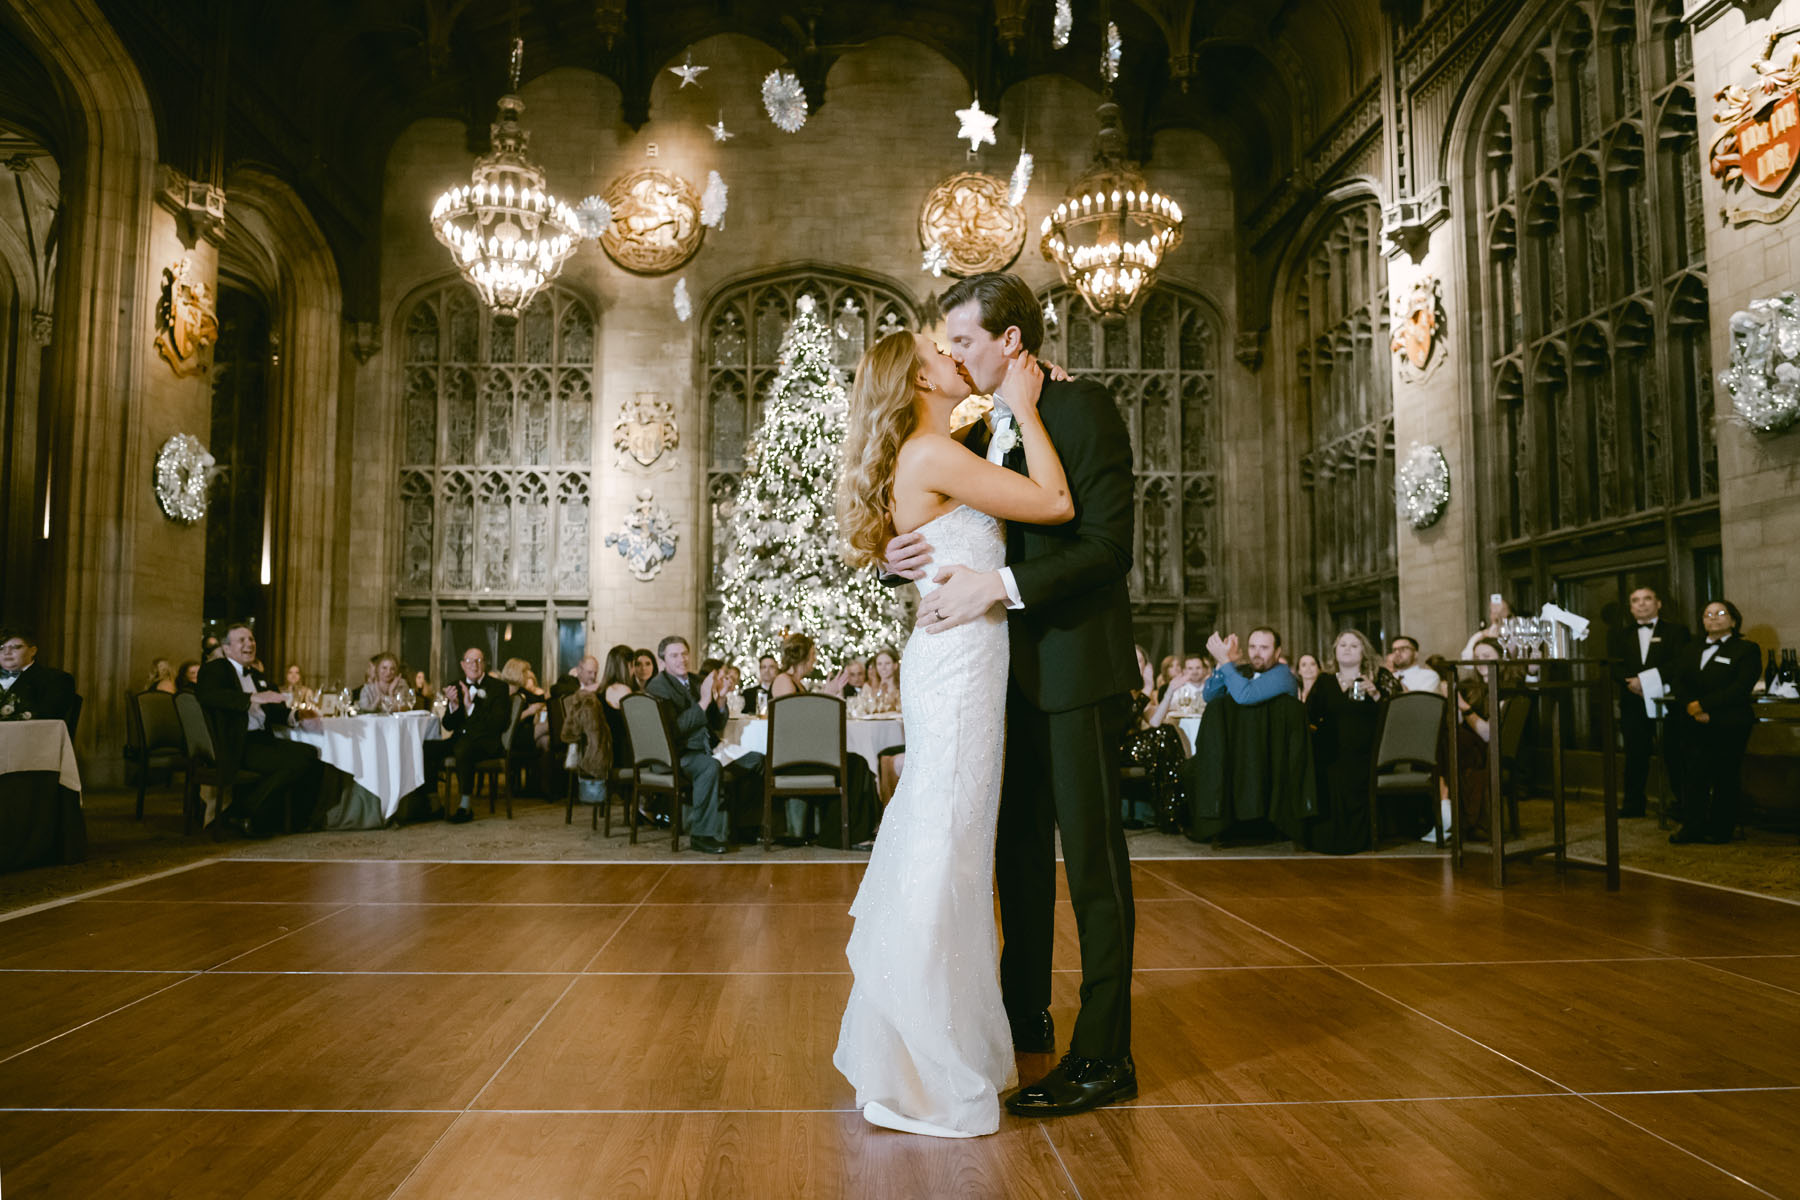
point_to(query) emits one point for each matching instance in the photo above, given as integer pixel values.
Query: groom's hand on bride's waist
(907, 556)
(963, 594)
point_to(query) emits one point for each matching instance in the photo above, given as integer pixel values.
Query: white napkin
(1655, 692)
(1578, 626)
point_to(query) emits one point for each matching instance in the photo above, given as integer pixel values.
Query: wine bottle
(1772, 671)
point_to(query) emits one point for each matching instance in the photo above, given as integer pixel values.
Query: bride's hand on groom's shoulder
(1024, 382)
(1057, 373)
(907, 556)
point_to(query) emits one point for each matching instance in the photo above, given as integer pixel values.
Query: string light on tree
(977, 126)
(783, 572)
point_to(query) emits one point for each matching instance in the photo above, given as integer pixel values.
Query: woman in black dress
(1344, 712)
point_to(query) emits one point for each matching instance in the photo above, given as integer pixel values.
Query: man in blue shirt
(1260, 681)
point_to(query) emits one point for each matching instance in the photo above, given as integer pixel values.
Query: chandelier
(1110, 234)
(508, 235)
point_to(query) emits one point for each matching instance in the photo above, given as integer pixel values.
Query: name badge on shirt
(1654, 639)
(1720, 658)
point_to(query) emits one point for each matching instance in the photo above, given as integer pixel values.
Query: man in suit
(477, 710)
(1649, 642)
(1068, 700)
(697, 723)
(243, 711)
(45, 692)
(765, 678)
(1712, 715)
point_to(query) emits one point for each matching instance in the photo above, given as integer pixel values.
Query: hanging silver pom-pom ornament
(784, 100)
(1763, 379)
(592, 216)
(1061, 25)
(712, 202)
(1422, 486)
(935, 260)
(1021, 178)
(1111, 53)
(684, 307)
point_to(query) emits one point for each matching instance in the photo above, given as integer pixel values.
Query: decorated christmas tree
(783, 572)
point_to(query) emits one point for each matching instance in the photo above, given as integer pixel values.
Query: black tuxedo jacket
(45, 692)
(694, 726)
(492, 712)
(1724, 686)
(1072, 643)
(227, 707)
(1667, 640)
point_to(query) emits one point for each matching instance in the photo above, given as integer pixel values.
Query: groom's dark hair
(1004, 301)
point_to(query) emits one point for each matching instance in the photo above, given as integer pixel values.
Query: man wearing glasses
(477, 709)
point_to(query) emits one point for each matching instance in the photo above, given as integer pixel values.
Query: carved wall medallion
(655, 221)
(1419, 329)
(648, 539)
(1760, 144)
(186, 320)
(646, 429)
(969, 217)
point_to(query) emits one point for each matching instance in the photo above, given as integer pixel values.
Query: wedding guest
(30, 686)
(756, 695)
(799, 655)
(884, 681)
(292, 680)
(1343, 711)
(162, 677)
(1155, 747)
(856, 677)
(1498, 610)
(1171, 666)
(1403, 660)
(187, 677)
(1259, 680)
(211, 648)
(688, 700)
(1714, 680)
(422, 689)
(730, 691)
(1307, 671)
(387, 692)
(643, 668)
(477, 708)
(1474, 738)
(243, 711)
(614, 681)
(1650, 642)
(1183, 695)
(1148, 686)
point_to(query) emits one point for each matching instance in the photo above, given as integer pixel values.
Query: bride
(925, 1039)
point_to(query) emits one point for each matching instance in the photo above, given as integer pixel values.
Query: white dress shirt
(1418, 678)
(1000, 419)
(1712, 648)
(257, 720)
(1645, 634)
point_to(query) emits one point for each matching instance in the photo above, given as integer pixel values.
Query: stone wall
(845, 191)
(1759, 476)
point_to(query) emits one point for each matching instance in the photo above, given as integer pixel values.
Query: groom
(1068, 701)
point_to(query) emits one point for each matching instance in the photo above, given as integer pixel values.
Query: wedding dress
(925, 1039)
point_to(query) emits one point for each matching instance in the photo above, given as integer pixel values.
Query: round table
(383, 754)
(40, 796)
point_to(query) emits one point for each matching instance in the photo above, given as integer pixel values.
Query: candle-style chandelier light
(508, 234)
(1110, 234)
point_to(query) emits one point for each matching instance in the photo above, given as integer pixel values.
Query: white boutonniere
(1006, 439)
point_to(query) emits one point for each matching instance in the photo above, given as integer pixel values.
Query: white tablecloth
(864, 738)
(385, 754)
(1190, 730)
(39, 746)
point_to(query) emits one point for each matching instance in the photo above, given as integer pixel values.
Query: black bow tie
(1646, 624)
(1715, 641)
(5, 674)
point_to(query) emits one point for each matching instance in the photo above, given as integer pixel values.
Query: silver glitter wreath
(1422, 486)
(183, 469)
(1764, 376)
(784, 100)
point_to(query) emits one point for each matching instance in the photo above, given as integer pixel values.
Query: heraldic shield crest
(1419, 329)
(1759, 145)
(646, 429)
(186, 321)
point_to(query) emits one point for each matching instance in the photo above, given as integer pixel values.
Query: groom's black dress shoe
(1076, 1086)
(1035, 1034)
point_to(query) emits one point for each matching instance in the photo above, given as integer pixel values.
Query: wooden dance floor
(1303, 1027)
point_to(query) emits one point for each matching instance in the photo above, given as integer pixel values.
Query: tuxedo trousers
(1639, 733)
(1062, 773)
(1712, 770)
(286, 790)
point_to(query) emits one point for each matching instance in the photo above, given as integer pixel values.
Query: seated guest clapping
(1257, 681)
(28, 686)
(688, 701)
(477, 708)
(243, 711)
(387, 691)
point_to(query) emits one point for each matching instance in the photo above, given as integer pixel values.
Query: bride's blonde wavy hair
(883, 414)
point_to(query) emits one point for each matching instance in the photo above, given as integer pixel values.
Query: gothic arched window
(1162, 366)
(495, 475)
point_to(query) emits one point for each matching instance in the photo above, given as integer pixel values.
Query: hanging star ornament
(977, 126)
(688, 72)
(719, 132)
(935, 260)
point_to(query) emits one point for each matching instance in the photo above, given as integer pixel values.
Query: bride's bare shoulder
(929, 449)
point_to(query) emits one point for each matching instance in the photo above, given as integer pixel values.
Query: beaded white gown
(925, 1039)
